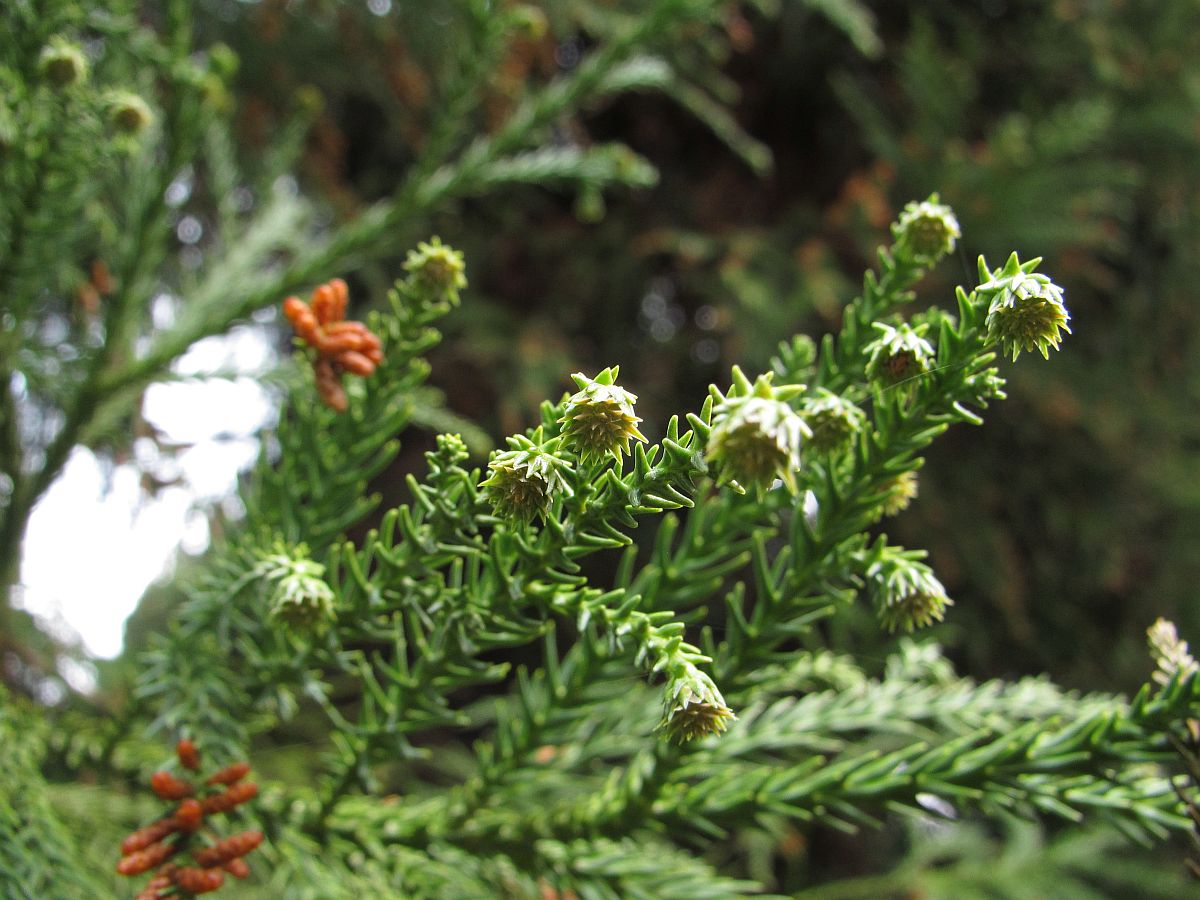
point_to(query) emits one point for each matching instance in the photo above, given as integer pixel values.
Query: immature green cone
(927, 231)
(524, 481)
(833, 420)
(438, 267)
(451, 450)
(1169, 653)
(1025, 308)
(223, 61)
(62, 63)
(901, 492)
(528, 21)
(907, 594)
(310, 103)
(755, 435)
(129, 113)
(301, 599)
(695, 708)
(898, 356)
(916, 609)
(599, 419)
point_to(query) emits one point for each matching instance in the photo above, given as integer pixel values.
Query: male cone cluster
(154, 845)
(341, 346)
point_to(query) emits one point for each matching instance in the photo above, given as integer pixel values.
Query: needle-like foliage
(607, 660)
(644, 716)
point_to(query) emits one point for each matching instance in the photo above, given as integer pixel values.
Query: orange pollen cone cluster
(152, 846)
(341, 346)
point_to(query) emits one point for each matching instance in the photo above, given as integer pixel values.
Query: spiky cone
(832, 420)
(437, 268)
(694, 708)
(926, 231)
(598, 420)
(698, 719)
(129, 114)
(898, 356)
(302, 613)
(62, 63)
(301, 599)
(906, 592)
(901, 491)
(916, 609)
(1025, 308)
(756, 436)
(524, 482)
(1170, 654)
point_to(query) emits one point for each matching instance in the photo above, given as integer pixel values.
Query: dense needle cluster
(152, 846)
(341, 346)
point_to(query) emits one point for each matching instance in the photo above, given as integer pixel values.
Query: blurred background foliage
(1067, 129)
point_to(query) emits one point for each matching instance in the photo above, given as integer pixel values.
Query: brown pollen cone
(149, 848)
(229, 774)
(199, 881)
(151, 834)
(238, 868)
(168, 787)
(145, 860)
(189, 756)
(341, 346)
(231, 848)
(234, 796)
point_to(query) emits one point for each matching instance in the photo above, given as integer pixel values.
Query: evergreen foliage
(67, 166)
(619, 658)
(38, 857)
(596, 779)
(1058, 128)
